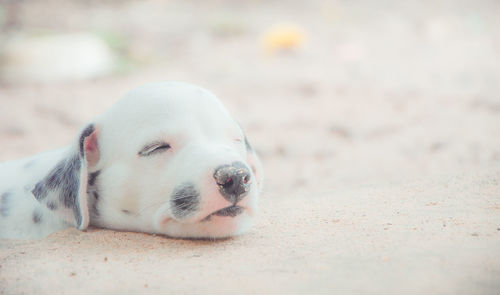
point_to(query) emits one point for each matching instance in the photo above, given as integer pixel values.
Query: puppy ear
(64, 188)
(255, 164)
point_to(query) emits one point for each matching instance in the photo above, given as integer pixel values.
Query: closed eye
(153, 148)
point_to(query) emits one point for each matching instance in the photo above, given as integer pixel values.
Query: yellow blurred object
(283, 36)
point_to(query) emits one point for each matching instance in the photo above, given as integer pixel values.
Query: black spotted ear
(64, 188)
(255, 164)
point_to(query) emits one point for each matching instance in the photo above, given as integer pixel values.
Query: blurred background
(330, 92)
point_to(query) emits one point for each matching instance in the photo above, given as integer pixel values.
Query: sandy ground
(379, 137)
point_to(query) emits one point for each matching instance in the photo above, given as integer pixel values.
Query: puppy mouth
(231, 211)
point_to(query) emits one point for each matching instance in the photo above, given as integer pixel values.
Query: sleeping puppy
(167, 159)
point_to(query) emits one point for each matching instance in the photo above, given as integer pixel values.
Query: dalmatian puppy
(166, 159)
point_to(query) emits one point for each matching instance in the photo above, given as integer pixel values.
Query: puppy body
(21, 214)
(167, 159)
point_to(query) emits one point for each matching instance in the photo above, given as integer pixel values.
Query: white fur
(133, 191)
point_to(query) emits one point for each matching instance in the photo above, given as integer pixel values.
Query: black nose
(233, 181)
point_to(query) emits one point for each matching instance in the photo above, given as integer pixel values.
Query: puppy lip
(230, 211)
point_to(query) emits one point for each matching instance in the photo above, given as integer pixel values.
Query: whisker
(149, 206)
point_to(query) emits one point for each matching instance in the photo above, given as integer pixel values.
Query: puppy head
(168, 158)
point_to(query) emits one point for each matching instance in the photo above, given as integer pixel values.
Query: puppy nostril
(228, 184)
(246, 179)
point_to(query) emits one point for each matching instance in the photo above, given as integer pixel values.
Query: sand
(425, 237)
(379, 137)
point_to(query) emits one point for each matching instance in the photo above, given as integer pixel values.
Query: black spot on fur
(85, 133)
(71, 181)
(184, 200)
(56, 179)
(4, 204)
(126, 212)
(93, 177)
(94, 212)
(52, 205)
(40, 191)
(64, 181)
(37, 216)
(93, 193)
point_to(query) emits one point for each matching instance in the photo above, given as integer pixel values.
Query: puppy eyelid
(154, 148)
